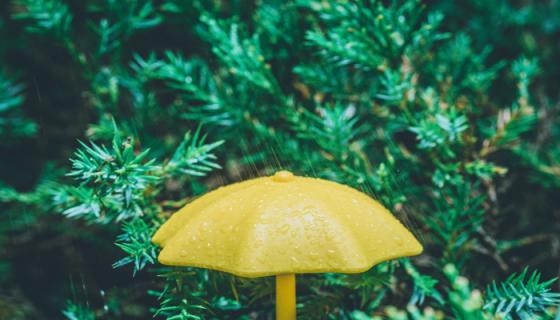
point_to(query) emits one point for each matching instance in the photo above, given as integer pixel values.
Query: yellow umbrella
(283, 225)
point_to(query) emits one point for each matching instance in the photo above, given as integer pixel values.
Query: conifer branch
(522, 297)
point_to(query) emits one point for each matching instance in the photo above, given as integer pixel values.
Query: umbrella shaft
(286, 297)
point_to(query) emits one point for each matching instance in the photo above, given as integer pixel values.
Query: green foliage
(412, 313)
(424, 286)
(136, 242)
(445, 129)
(465, 302)
(177, 299)
(46, 17)
(11, 94)
(122, 19)
(336, 123)
(117, 178)
(240, 55)
(193, 157)
(119, 184)
(458, 215)
(463, 70)
(520, 296)
(78, 312)
(446, 112)
(13, 123)
(511, 299)
(370, 35)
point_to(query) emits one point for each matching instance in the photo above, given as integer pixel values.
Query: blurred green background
(446, 111)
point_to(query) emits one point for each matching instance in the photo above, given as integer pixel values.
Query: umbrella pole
(286, 297)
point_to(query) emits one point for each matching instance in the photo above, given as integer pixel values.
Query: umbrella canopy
(284, 224)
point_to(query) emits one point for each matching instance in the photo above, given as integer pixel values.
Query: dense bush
(114, 114)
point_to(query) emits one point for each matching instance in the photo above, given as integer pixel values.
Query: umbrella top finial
(283, 176)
